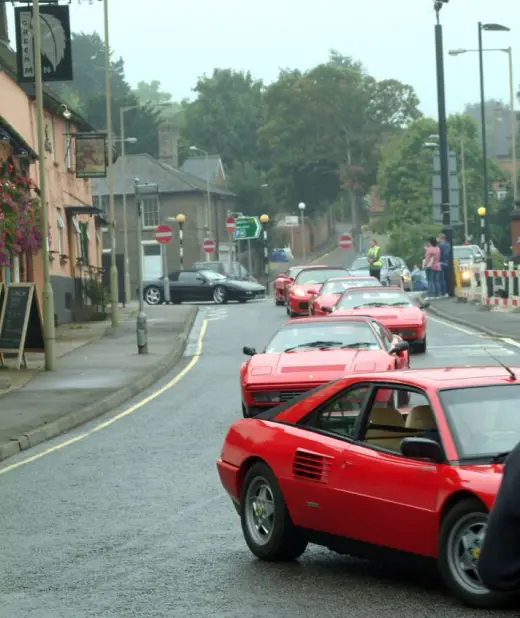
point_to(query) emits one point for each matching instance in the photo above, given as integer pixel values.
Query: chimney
(4, 33)
(168, 144)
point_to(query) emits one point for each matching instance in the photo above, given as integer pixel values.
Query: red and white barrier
(497, 288)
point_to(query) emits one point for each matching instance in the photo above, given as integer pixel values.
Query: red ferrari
(309, 280)
(333, 288)
(307, 352)
(388, 305)
(337, 468)
(282, 282)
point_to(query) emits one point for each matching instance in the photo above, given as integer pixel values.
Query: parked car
(394, 271)
(469, 256)
(234, 271)
(201, 285)
(335, 468)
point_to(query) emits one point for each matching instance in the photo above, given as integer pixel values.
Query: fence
(496, 288)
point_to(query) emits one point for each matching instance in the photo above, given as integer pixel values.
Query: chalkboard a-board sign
(21, 328)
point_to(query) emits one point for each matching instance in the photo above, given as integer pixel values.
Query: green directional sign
(247, 228)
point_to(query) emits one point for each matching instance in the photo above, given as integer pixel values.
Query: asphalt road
(129, 519)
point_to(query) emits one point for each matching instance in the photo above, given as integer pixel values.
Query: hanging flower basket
(20, 215)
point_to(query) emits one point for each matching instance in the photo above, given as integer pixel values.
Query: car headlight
(298, 292)
(266, 397)
(466, 275)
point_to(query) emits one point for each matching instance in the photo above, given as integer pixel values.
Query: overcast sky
(176, 42)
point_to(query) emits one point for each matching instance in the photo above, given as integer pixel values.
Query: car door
(191, 286)
(390, 500)
(394, 273)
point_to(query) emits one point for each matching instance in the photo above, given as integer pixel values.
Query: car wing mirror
(248, 351)
(400, 346)
(327, 309)
(422, 448)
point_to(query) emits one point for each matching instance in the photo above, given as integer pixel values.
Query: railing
(90, 299)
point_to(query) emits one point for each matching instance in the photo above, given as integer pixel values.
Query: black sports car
(201, 285)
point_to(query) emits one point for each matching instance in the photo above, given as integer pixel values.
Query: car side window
(173, 276)
(396, 414)
(384, 334)
(391, 264)
(339, 415)
(189, 278)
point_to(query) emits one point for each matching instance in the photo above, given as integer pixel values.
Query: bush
(408, 242)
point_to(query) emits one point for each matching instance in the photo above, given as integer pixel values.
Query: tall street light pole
(485, 176)
(114, 292)
(208, 198)
(49, 331)
(443, 147)
(301, 206)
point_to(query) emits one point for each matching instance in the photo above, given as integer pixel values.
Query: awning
(73, 211)
(17, 142)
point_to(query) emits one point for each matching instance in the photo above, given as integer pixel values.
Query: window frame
(146, 203)
(377, 326)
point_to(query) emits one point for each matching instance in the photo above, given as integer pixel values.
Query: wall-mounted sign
(56, 49)
(91, 156)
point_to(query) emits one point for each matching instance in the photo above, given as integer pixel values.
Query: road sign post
(345, 241)
(208, 246)
(247, 228)
(164, 236)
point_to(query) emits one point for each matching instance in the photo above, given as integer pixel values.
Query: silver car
(394, 271)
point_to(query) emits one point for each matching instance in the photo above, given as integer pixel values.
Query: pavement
(495, 323)
(125, 517)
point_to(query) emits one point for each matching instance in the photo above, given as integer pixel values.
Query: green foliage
(254, 195)
(408, 241)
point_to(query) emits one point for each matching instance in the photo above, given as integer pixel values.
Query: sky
(177, 42)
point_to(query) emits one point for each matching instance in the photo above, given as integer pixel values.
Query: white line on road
(511, 342)
(459, 328)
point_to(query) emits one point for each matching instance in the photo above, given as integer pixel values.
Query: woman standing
(432, 266)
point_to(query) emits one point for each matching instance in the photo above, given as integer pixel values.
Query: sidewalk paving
(98, 369)
(493, 322)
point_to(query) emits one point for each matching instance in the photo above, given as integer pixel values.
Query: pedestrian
(445, 248)
(374, 260)
(499, 560)
(432, 266)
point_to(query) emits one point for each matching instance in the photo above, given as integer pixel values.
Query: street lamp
(301, 206)
(208, 202)
(512, 112)
(264, 220)
(127, 140)
(482, 212)
(180, 218)
(485, 217)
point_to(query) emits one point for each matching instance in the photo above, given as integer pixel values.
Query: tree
(149, 93)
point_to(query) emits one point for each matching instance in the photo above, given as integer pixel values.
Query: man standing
(374, 259)
(445, 248)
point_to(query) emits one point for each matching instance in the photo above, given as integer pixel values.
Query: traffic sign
(163, 234)
(247, 228)
(345, 241)
(230, 225)
(291, 221)
(208, 245)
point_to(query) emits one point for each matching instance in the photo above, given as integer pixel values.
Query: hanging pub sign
(91, 156)
(56, 48)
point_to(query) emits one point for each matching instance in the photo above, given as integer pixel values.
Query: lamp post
(49, 331)
(264, 220)
(483, 240)
(208, 201)
(180, 218)
(512, 112)
(141, 191)
(301, 206)
(129, 140)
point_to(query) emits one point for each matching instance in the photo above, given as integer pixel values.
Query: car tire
(220, 295)
(279, 302)
(420, 346)
(266, 525)
(153, 295)
(467, 516)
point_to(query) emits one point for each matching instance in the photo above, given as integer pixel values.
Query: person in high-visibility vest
(374, 259)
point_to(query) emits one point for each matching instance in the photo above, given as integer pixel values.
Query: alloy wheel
(259, 510)
(463, 551)
(152, 296)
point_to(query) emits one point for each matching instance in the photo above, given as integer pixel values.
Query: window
(211, 275)
(68, 149)
(61, 227)
(77, 240)
(339, 415)
(150, 212)
(189, 278)
(360, 263)
(152, 250)
(338, 286)
(318, 275)
(383, 332)
(84, 240)
(376, 297)
(396, 414)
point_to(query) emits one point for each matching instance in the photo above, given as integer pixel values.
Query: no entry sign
(208, 245)
(230, 225)
(163, 234)
(345, 241)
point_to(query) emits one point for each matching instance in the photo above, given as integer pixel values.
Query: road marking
(510, 342)
(136, 406)
(459, 328)
(472, 350)
(216, 314)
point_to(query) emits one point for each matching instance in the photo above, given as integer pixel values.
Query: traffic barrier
(494, 287)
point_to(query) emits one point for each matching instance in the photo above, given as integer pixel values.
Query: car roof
(349, 277)
(447, 377)
(330, 318)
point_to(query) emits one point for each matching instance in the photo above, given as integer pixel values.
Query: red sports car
(282, 282)
(333, 288)
(388, 305)
(307, 352)
(337, 468)
(309, 280)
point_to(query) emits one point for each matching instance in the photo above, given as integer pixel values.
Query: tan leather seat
(381, 437)
(421, 417)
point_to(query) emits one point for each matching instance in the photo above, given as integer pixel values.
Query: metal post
(302, 235)
(443, 152)
(483, 232)
(208, 201)
(114, 296)
(464, 189)
(230, 253)
(512, 101)
(49, 332)
(166, 280)
(484, 145)
(181, 246)
(249, 257)
(141, 323)
(266, 260)
(128, 293)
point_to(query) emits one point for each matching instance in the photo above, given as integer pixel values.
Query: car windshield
(294, 271)
(484, 420)
(319, 275)
(339, 286)
(209, 274)
(322, 335)
(352, 299)
(463, 253)
(360, 263)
